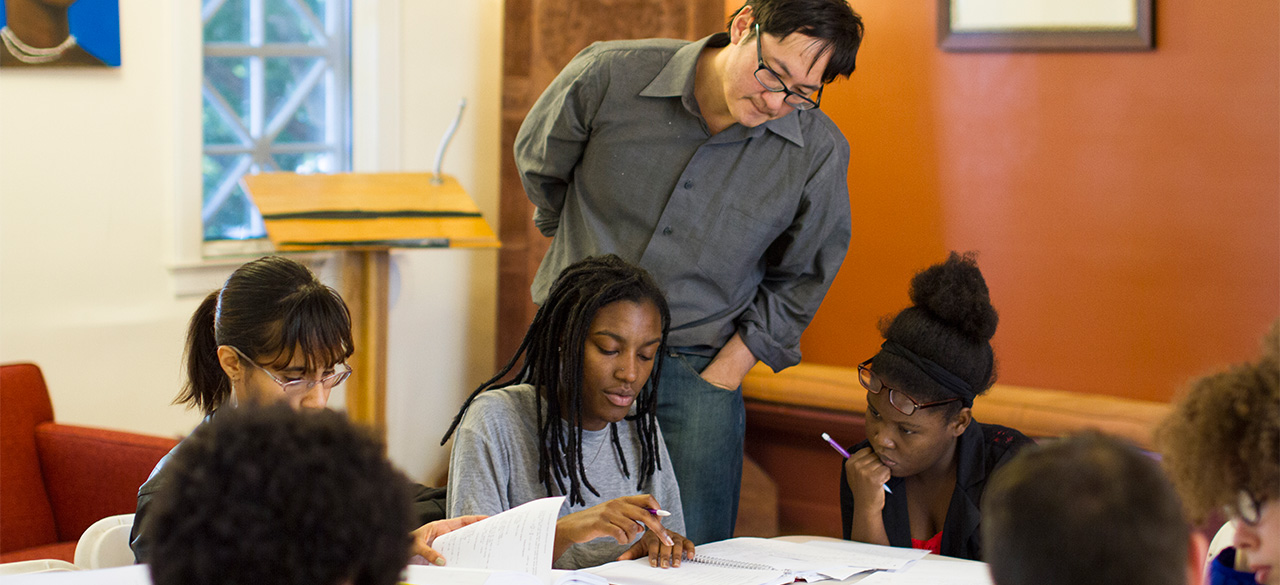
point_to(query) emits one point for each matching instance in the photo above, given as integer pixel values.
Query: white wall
(99, 187)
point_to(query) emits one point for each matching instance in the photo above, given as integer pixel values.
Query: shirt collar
(677, 77)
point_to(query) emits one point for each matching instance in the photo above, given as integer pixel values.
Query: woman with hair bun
(917, 481)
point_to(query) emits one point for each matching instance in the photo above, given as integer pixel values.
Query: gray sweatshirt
(494, 467)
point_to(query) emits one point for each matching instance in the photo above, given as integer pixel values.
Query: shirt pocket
(732, 254)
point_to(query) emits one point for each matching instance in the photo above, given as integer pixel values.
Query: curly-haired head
(270, 495)
(553, 351)
(1223, 435)
(950, 323)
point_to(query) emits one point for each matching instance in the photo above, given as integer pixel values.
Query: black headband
(951, 382)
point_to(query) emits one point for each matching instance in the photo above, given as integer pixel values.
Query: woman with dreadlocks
(578, 420)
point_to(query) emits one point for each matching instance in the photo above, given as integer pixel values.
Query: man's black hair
(1086, 509)
(836, 27)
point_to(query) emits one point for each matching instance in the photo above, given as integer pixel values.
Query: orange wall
(1125, 206)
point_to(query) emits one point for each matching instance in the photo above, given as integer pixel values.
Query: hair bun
(955, 293)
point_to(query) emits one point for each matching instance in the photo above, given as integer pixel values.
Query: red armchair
(55, 479)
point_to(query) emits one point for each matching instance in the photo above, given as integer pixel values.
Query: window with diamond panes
(277, 97)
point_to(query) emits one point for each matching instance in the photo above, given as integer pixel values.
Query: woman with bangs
(273, 334)
(917, 481)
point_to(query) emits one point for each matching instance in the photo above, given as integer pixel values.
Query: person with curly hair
(272, 333)
(917, 480)
(274, 495)
(1221, 446)
(579, 420)
(1089, 508)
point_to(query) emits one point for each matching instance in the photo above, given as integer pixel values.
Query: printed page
(638, 572)
(521, 539)
(935, 571)
(871, 556)
(805, 560)
(433, 575)
(128, 575)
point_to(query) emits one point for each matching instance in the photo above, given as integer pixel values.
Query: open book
(511, 548)
(759, 561)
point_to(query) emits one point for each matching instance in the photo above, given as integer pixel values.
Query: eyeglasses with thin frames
(295, 388)
(898, 399)
(771, 81)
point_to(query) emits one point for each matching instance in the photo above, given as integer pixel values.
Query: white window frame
(198, 266)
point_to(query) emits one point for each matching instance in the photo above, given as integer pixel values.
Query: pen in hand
(658, 513)
(845, 454)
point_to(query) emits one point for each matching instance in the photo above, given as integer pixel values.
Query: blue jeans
(703, 426)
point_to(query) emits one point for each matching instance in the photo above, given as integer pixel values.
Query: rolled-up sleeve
(801, 265)
(552, 138)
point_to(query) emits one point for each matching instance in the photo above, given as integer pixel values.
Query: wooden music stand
(364, 216)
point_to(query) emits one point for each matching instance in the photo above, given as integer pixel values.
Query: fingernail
(439, 561)
(667, 540)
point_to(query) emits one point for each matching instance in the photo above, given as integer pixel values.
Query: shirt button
(666, 231)
(688, 184)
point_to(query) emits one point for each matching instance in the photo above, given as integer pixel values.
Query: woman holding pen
(578, 420)
(917, 480)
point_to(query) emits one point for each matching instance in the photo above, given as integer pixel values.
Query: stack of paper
(758, 561)
(511, 548)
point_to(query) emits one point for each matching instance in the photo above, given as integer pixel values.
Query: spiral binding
(730, 563)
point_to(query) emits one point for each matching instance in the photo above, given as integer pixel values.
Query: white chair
(1221, 540)
(106, 543)
(39, 566)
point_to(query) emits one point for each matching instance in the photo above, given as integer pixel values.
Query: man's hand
(730, 365)
(660, 554)
(426, 535)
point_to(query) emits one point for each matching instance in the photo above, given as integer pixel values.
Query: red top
(933, 545)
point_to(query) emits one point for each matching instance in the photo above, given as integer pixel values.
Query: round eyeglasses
(1247, 508)
(295, 388)
(770, 80)
(898, 399)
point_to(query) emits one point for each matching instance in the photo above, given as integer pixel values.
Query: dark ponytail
(207, 386)
(269, 309)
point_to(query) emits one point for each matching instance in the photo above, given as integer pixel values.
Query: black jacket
(981, 450)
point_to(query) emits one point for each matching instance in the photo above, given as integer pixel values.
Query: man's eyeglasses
(1247, 508)
(899, 400)
(770, 80)
(295, 388)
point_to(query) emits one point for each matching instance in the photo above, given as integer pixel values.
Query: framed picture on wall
(1045, 25)
(59, 33)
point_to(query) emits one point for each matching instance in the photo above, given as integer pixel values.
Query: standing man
(709, 164)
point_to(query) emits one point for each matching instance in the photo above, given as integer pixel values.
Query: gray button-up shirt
(744, 230)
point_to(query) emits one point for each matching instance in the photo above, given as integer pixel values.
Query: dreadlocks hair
(553, 360)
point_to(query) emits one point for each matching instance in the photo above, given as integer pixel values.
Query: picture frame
(1046, 25)
(90, 34)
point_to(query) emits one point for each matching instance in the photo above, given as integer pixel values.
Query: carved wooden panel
(540, 37)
